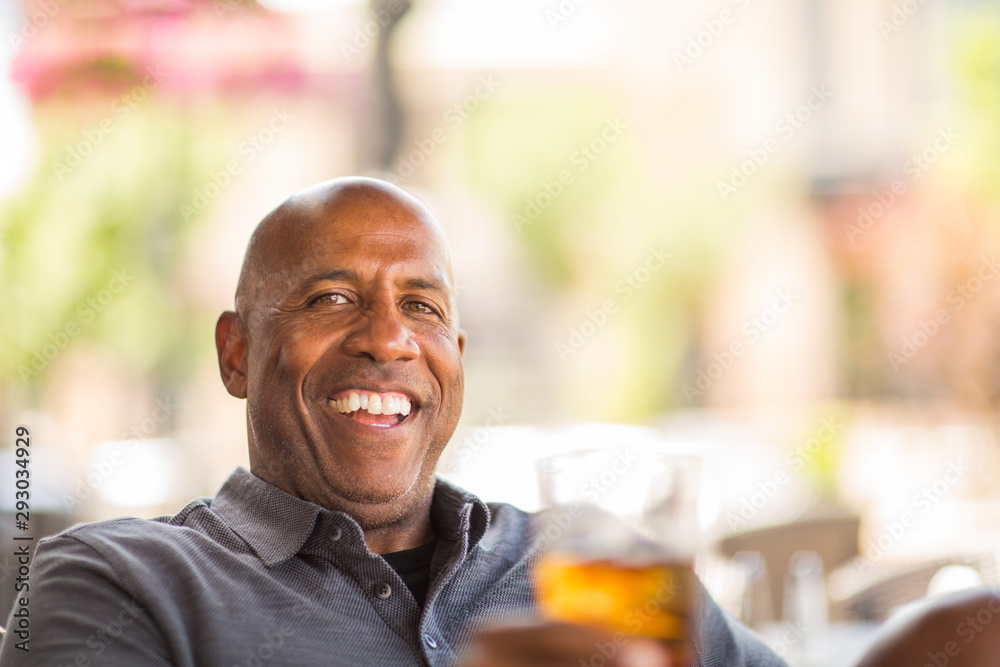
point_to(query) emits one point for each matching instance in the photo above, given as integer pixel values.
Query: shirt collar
(276, 525)
(456, 512)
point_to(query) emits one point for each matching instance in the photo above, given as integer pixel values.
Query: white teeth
(376, 404)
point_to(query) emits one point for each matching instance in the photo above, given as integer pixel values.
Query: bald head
(290, 239)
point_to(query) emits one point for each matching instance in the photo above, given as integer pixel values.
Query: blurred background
(763, 230)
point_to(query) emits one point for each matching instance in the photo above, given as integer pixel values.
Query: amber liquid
(652, 601)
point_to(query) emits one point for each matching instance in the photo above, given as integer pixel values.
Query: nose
(382, 336)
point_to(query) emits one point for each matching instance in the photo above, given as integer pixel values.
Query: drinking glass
(618, 540)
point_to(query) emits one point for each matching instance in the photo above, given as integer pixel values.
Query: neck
(389, 539)
(404, 523)
(409, 532)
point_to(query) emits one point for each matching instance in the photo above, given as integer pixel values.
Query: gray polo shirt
(256, 577)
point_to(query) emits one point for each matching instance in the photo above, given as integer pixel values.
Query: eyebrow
(350, 275)
(425, 284)
(347, 275)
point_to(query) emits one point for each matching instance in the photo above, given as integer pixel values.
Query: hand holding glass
(620, 537)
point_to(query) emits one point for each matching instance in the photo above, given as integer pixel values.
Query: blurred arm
(960, 630)
(563, 645)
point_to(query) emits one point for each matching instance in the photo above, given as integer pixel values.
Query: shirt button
(383, 590)
(430, 641)
(335, 535)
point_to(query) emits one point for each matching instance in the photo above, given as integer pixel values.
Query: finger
(639, 652)
(552, 645)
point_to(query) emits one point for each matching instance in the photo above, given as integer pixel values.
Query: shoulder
(509, 515)
(512, 527)
(135, 544)
(129, 529)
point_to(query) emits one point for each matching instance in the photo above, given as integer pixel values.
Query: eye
(420, 307)
(330, 299)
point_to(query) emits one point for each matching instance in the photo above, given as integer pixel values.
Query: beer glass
(618, 540)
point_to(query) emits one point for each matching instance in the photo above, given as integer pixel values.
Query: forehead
(368, 235)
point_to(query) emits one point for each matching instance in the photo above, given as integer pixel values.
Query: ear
(461, 341)
(231, 343)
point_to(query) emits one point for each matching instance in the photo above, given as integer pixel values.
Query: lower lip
(364, 418)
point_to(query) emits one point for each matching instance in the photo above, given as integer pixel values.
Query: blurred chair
(872, 593)
(959, 630)
(834, 538)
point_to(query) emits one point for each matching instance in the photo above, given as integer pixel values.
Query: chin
(381, 488)
(379, 508)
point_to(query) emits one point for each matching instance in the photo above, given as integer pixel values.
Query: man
(339, 547)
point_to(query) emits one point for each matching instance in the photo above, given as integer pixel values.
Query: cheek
(445, 362)
(288, 358)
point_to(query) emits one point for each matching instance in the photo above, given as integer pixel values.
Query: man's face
(356, 308)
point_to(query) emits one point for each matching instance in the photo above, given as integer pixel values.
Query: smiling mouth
(377, 409)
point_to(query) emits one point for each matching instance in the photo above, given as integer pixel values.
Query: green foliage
(976, 79)
(102, 204)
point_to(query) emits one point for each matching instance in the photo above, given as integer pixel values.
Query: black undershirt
(414, 567)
